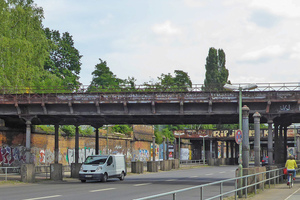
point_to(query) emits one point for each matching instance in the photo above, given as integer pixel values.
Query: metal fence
(228, 187)
(41, 172)
(11, 172)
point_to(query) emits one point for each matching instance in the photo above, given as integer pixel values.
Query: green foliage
(125, 129)
(181, 82)
(64, 59)
(216, 75)
(46, 128)
(23, 45)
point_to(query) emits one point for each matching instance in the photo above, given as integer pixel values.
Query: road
(134, 186)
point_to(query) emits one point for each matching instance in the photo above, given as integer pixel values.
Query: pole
(203, 151)
(107, 140)
(179, 148)
(240, 168)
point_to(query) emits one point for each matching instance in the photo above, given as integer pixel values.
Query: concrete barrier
(28, 173)
(56, 172)
(75, 168)
(165, 165)
(152, 166)
(137, 167)
(251, 180)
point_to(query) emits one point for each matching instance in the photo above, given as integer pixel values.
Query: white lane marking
(193, 176)
(222, 172)
(46, 197)
(292, 194)
(142, 184)
(100, 190)
(171, 180)
(208, 174)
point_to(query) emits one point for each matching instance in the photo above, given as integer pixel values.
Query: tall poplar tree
(216, 75)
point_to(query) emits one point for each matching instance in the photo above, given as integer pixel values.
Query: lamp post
(240, 89)
(203, 136)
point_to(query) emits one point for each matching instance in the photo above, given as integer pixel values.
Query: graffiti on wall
(83, 154)
(12, 155)
(140, 155)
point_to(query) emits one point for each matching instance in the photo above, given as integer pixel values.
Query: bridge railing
(292, 86)
(228, 187)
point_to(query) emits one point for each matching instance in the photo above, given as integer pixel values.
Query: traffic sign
(238, 136)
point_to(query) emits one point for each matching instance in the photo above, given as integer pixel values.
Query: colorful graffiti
(140, 155)
(12, 155)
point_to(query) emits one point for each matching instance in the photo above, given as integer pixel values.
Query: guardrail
(192, 161)
(292, 86)
(267, 177)
(8, 171)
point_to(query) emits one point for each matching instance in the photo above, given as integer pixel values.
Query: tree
(103, 78)
(216, 75)
(64, 58)
(181, 82)
(23, 46)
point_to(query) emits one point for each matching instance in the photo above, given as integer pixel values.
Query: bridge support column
(56, 145)
(164, 148)
(216, 149)
(256, 117)
(245, 145)
(154, 149)
(285, 143)
(222, 149)
(276, 143)
(270, 142)
(281, 144)
(97, 126)
(28, 141)
(210, 149)
(75, 167)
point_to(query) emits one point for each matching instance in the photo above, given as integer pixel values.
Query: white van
(102, 167)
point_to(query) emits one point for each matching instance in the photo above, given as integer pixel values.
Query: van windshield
(95, 160)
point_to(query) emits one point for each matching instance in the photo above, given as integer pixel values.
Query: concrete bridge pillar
(154, 149)
(245, 145)
(270, 142)
(256, 117)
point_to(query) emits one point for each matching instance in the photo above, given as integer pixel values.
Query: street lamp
(240, 88)
(203, 136)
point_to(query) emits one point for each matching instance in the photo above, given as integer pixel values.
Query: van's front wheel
(104, 178)
(122, 176)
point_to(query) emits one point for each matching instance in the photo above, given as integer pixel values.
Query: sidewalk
(279, 192)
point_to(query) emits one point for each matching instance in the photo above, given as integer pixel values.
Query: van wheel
(104, 179)
(122, 176)
(83, 181)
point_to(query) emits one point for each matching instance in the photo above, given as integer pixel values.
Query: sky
(146, 38)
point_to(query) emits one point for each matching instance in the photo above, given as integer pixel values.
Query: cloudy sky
(145, 38)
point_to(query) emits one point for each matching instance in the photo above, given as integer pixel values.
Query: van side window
(109, 161)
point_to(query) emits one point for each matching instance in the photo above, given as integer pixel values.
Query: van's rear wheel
(122, 176)
(104, 178)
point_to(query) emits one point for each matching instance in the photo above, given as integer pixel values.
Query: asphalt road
(134, 186)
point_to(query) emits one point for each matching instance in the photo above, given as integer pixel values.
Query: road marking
(222, 172)
(193, 176)
(46, 197)
(171, 180)
(292, 194)
(142, 184)
(208, 174)
(100, 190)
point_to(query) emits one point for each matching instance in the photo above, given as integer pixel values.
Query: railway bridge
(277, 103)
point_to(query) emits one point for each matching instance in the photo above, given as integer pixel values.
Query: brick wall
(12, 146)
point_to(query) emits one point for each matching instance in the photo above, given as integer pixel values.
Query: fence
(41, 172)
(12, 172)
(259, 180)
